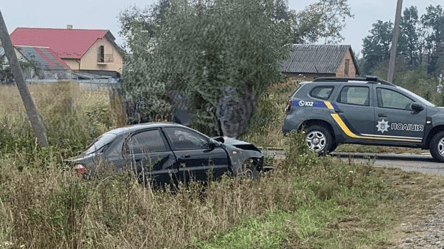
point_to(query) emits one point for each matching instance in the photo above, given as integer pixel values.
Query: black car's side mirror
(219, 139)
(211, 145)
(417, 107)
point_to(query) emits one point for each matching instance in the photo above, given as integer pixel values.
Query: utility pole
(391, 71)
(31, 109)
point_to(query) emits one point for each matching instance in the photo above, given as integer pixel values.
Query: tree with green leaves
(411, 39)
(323, 20)
(418, 81)
(433, 21)
(234, 48)
(6, 76)
(376, 48)
(133, 19)
(420, 39)
(222, 56)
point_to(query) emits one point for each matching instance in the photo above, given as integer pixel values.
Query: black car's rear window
(100, 142)
(321, 92)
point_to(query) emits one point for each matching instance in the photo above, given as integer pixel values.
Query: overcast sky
(102, 14)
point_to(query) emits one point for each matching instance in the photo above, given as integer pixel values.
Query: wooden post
(31, 109)
(393, 53)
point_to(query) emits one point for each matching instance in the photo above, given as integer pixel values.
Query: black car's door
(150, 155)
(395, 118)
(195, 158)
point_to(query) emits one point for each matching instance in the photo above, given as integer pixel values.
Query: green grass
(259, 232)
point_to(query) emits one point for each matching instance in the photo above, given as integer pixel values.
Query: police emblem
(382, 126)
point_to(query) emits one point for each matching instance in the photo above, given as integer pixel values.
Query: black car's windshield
(100, 142)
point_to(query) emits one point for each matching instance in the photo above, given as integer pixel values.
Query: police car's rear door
(395, 118)
(355, 108)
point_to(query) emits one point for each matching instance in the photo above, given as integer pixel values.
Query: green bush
(298, 157)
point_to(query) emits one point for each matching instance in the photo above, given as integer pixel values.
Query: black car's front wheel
(437, 146)
(318, 139)
(248, 171)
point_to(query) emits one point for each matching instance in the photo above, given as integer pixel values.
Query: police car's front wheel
(318, 139)
(437, 146)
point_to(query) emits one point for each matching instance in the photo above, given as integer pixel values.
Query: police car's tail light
(80, 169)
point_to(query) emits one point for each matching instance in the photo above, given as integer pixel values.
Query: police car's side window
(354, 95)
(392, 99)
(321, 92)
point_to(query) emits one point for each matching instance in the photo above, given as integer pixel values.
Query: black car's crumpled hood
(233, 141)
(237, 143)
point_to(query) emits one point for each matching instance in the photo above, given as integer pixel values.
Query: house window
(101, 54)
(347, 64)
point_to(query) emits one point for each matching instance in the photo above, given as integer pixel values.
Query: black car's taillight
(80, 169)
(288, 107)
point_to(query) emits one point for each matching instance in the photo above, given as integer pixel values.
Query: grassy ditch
(307, 202)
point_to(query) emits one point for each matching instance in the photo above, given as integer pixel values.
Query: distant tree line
(420, 59)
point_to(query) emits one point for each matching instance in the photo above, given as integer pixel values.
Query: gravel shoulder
(428, 232)
(427, 229)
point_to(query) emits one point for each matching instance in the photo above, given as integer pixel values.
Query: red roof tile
(67, 43)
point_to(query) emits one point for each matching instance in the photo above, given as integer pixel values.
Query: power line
(434, 2)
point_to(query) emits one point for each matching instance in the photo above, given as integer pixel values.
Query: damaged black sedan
(166, 152)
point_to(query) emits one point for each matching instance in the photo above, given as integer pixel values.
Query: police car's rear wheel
(318, 139)
(437, 146)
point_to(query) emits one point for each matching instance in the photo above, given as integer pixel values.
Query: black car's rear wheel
(318, 139)
(437, 146)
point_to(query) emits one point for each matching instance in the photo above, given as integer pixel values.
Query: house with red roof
(91, 51)
(38, 63)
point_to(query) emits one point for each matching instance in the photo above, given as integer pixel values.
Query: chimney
(69, 26)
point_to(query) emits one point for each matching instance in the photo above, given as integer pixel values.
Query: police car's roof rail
(369, 79)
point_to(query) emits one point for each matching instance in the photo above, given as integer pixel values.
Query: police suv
(364, 111)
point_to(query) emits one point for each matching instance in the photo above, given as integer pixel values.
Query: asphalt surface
(423, 163)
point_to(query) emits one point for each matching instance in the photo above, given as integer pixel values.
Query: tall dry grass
(51, 208)
(73, 118)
